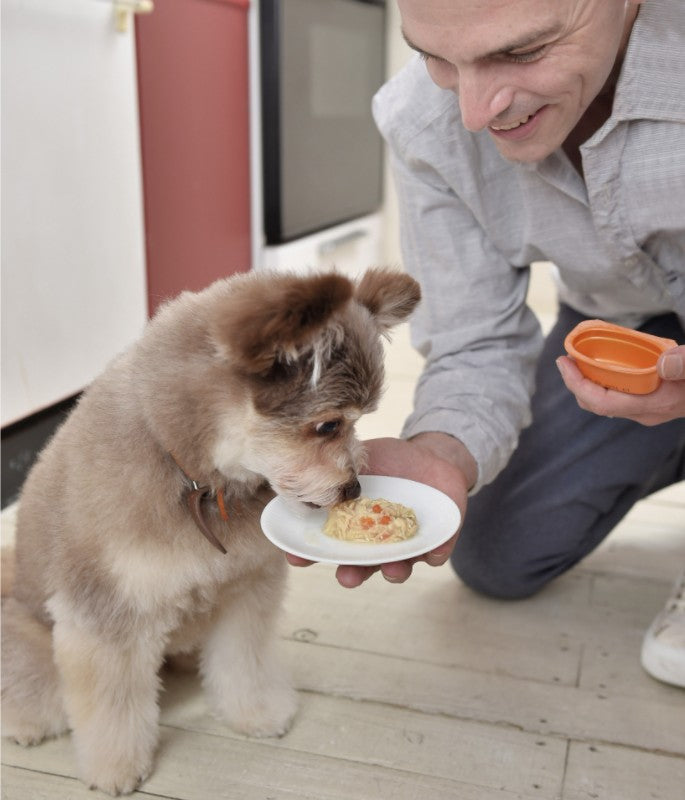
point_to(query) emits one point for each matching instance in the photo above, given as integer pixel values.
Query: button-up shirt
(471, 223)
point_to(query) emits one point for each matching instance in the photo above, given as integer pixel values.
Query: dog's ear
(389, 295)
(273, 317)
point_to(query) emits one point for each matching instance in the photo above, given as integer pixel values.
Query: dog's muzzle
(348, 491)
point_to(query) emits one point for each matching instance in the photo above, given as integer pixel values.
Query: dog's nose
(351, 490)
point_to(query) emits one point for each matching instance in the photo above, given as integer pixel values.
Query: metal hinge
(123, 9)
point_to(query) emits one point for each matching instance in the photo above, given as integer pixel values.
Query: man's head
(525, 70)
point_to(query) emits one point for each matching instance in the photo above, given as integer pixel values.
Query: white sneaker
(663, 648)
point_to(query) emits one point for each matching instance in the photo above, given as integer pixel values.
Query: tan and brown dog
(138, 533)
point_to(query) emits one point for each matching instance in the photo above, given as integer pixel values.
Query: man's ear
(274, 316)
(388, 294)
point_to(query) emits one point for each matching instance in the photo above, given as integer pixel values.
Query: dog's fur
(249, 387)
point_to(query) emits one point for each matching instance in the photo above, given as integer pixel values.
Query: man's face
(525, 70)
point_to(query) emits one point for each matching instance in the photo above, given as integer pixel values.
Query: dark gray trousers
(572, 478)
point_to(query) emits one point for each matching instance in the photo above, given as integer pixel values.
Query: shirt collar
(651, 82)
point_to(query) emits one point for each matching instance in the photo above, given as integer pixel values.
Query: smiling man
(537, 76)
(530, 130)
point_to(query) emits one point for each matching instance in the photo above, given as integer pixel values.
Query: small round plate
(301, 532)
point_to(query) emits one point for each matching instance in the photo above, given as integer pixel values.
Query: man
(538, 130)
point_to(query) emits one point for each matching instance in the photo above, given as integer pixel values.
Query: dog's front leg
(242, 674)
(110, 694)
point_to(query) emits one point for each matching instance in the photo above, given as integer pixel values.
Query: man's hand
(662, 405)
(433, 458)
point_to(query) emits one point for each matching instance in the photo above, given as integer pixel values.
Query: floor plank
(539, 708)
(604, 772)
(197, 766)
(464, 751)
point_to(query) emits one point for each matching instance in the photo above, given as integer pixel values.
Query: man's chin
(523, 152)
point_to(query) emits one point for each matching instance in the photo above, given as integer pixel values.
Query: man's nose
(480, 100)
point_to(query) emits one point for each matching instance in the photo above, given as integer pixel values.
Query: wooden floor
(425, 690)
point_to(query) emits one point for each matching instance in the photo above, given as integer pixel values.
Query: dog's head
(308, 353)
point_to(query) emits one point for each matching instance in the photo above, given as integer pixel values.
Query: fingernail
(560, 366)
(671, 367)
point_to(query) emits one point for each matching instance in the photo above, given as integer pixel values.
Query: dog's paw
(27, 737)
(270, 714)
(117, 786)
(114, 767)
(28, 734)
(123, 782)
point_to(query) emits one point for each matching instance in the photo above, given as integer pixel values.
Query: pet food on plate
(374, 521)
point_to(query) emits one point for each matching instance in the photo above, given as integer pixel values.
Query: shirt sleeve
(479, 338)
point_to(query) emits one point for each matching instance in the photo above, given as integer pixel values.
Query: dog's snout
(351, 490)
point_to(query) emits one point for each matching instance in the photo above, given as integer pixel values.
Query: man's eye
(529, 55)
(327, 428)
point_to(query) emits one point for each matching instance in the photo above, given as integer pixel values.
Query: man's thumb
(671, 364)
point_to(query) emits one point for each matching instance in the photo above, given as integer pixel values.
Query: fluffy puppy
(138, 533)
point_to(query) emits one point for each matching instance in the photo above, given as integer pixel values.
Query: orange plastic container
(617, 357)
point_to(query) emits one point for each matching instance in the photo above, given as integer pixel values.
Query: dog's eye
(327, 428)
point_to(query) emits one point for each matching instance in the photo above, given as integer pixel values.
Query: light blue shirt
(471, 224)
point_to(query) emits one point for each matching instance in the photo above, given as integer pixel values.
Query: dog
(138, 529)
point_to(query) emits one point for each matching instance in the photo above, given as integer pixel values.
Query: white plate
(301, 532)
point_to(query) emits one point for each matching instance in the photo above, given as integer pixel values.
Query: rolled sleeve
(473, 327)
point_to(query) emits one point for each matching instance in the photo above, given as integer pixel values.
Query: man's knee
(499, 559)
(495, 577)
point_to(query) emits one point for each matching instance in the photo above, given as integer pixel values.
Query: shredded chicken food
(372, 521)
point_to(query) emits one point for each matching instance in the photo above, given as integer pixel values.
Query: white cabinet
(73, 269)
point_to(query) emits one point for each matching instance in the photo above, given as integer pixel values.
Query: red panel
(193, 89)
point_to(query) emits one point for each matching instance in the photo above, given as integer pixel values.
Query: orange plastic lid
(616, 357)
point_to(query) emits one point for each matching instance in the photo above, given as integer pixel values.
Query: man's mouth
(509, 126)
(518, 129)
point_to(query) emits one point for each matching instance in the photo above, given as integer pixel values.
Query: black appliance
(321, 62)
